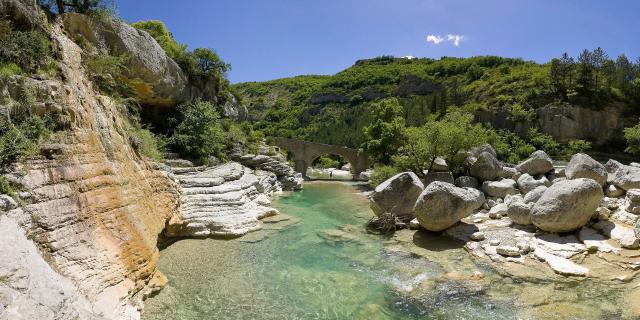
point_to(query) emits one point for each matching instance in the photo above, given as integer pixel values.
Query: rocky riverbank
(532, 221)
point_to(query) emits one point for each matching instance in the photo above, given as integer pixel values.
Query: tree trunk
(60, 5)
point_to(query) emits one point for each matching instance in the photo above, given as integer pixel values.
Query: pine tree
(599, 59)
(585, 72)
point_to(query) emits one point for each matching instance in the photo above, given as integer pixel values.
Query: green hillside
(335, 109)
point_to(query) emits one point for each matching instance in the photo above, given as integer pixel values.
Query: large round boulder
(499, 189)
(526, 182)
(486, 167)
(583, 166)
(518, 210)
(625, 177)
(397, 195)
(567, 205)
(538, 163)
(441, 205)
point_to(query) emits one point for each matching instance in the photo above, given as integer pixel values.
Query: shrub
(575, 146)
(148, 144)
(632, 135)
(30, 50)
(381, 173)
(107, 72)
(198, 133)
(327, 161)
(6, 187)
(8, 69)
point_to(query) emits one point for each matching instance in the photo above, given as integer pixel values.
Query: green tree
(599, 60)
(198, 133)
(632, 135)
(624, 73)
(80, 6)
(209, 62)
(446, 138)
(386, 132)
(561, 75)
(586, 68)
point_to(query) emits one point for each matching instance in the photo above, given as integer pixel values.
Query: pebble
(494, 242)
(508, 251)
(477, 221)
(477, 236)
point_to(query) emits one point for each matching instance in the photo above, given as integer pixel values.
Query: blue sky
(269, 39)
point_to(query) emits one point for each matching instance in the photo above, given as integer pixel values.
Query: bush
(107, 72)
(327, 161)
(381, 173)
(30, 50)
(148, 144)
(198, 133)
(575, 146)
(632, 135)
(6, 187)
(8, 69)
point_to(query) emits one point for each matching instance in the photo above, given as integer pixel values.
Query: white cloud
(455, 39)
(435, 39)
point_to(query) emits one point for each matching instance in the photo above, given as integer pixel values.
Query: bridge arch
(305, 152)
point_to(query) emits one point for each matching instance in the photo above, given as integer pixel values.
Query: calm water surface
(325, 266)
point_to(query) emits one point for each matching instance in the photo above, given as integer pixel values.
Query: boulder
(397, 195)
(438, 176)
(25, 14)
(583, 166)
(466, 182)
(499, 189)
(508, 172)
(538, 163)
(625, 177)
(498, 211)
(476, 151)
(439, 165)
(486, 167)
(518, 210)
(526, 182)
(154, 77)
(633, 195)
(613, 191)
(7, 203)
(535, 194)
(567, 205)
(441, 205)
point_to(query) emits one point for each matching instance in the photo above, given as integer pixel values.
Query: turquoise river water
(322, 264)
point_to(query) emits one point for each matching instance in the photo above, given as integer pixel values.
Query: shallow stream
(321, 264)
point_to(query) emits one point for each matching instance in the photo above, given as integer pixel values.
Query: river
(321, 264)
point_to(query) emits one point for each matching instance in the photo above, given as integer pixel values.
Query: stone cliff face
(95, 207)
(565, 123)
(155, 79)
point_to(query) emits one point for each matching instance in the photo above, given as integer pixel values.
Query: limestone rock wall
(94, 207)
(566, 122)
(222, 201)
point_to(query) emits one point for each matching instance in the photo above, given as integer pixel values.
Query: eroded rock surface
(223, 201)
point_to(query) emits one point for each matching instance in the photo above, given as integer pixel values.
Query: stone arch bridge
(305, 152)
